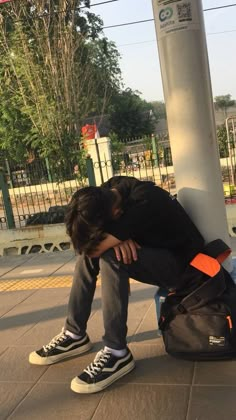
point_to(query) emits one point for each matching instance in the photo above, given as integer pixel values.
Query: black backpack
(198, 322)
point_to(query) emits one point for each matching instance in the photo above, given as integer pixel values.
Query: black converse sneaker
(104, 370)
(59, 348)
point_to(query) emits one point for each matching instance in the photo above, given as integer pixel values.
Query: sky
(137, 45)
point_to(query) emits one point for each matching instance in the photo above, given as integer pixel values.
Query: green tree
(59, 69)
(15, 128)
(159, 108)
(223, 141)
(224, 102)
(117, 151)
(130, 115)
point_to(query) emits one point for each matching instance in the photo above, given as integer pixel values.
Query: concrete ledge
(34, 239)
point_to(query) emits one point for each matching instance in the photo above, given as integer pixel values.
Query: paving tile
(53, 257)
(46, 297)
(10, 396)
(21, 319)
(40, 265)
(33, 307)
(143, 402)
(56, 401)
(2, 350)
(212, 403)
(141, 298)
(215, 373)
(52, 321)
(43, 332)
(141, 292)
(10, 336)
(147, 330)
(154, 366)
(27, 315)
(8, 264)
(67, 268)
(136, 314)
(16, 368)
(9, 300)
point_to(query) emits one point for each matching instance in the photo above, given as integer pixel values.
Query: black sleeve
(157, 218)
(133, 222)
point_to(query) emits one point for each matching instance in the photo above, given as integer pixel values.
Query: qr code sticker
(184, 11)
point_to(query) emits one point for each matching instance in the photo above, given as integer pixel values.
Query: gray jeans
(154, 266)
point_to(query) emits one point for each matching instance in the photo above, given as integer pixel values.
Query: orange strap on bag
(206, 264)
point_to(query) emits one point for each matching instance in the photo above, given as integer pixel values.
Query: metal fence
(140, 161)
(38, 194)
(35, 190)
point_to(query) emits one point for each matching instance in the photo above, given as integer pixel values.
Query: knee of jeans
(108, 258)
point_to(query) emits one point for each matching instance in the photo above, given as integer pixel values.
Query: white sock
(117, 353)
(72, 335)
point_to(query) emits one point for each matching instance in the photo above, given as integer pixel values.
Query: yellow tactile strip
(51, 282)
(35, 283)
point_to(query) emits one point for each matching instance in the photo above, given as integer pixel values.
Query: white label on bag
(216, 341)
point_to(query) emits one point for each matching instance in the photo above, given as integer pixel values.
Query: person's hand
(127, 251)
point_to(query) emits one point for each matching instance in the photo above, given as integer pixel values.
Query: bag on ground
(198, 322)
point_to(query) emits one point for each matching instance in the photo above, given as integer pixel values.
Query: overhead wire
(134, 22)
(154, 40)
(219, 7)
(100, 3)
(103, 2)
(152, 19)
(148, 20)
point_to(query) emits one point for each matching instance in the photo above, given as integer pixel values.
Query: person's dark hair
(88, 212)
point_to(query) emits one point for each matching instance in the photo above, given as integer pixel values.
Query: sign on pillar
(176, 15)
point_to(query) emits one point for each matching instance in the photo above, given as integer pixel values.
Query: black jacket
(153, 218)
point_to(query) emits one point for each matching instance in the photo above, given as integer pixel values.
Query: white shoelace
(100, 360)
(55, 341)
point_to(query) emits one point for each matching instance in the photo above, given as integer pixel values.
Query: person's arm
(109, 242)
(127, 251)
(124, 250)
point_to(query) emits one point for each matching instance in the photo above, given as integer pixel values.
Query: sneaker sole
(81, 388)
(35, 359)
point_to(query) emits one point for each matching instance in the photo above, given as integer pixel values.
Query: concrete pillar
(189, 104)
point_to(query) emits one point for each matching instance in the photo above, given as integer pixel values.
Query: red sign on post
(89, 131)
(4, 1)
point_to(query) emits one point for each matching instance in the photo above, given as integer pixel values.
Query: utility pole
(187, 88)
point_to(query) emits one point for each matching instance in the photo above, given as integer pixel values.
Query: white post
(189, 104)
(102, 163)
